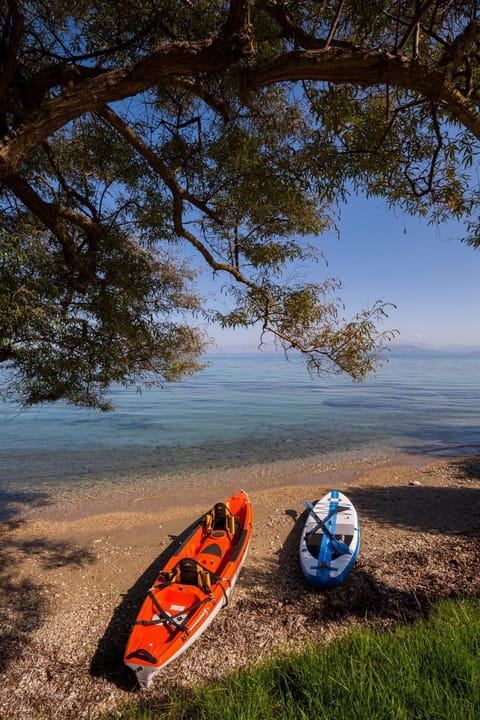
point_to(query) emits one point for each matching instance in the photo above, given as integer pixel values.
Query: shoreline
(75, 572)
(95, 494)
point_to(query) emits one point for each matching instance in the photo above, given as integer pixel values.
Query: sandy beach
(75, 571)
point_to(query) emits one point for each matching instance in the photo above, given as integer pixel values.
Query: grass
(426, 671)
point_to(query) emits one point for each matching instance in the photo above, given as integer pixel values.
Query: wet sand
(75, 570)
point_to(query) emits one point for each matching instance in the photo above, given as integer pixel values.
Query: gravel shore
(74, 572)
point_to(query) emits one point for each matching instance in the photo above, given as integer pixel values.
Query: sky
(431, 277)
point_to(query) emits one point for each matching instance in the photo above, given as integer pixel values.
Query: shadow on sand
(15, 503)
(23, 599)
(108, 659)
(398, 576)
(397, 579)
(427, 508)
(401, 576)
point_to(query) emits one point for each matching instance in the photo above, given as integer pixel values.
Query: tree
(234, 128)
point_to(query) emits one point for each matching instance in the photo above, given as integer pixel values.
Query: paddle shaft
(342, 547)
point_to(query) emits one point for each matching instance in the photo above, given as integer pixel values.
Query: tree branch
(367, 68)
(238, 29)
(9, 45)
(422, 9)
(203, 250)
(68, 189)
(461, 47)
(52, 216)
(413, 182)
(53, 76)
(7, 353)
(168, 177)
(297, 34)
(219, 106)
(186, 60)
(336, 20)
(179, 195)
(160, 66)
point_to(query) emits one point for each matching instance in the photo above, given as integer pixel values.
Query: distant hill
(421, 349)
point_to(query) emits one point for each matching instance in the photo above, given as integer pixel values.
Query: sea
(243, 409)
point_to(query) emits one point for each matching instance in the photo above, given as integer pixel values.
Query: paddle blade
(341, 547)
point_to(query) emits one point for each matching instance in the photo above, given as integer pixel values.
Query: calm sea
(245, 409)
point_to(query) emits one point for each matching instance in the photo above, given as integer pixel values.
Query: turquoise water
(244, 409)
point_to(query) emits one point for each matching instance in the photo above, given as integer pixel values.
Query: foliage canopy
(131, 131)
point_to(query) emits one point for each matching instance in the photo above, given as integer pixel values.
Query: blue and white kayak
(330, 540)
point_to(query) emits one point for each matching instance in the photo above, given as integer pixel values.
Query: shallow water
(246, 409)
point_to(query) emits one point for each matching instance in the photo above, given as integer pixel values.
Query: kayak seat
(188, 572)
(223, 519)
(192, 573)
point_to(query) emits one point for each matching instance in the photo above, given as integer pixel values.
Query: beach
(75, 571)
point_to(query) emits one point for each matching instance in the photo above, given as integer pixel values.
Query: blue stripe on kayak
(325, 554)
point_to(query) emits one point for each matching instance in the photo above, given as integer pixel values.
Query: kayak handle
(142, 654)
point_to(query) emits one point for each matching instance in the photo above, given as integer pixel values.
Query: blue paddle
(341, 547)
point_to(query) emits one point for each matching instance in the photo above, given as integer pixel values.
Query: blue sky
(432, 278)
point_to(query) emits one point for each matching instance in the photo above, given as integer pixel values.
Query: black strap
(165, 617)
(216, 581)
(142, 654)
(169, 619)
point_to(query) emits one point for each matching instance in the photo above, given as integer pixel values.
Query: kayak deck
(194, 584)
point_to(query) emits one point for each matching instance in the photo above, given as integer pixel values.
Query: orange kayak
(192, 587)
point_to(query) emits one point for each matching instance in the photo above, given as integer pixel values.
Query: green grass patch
(426, 671)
